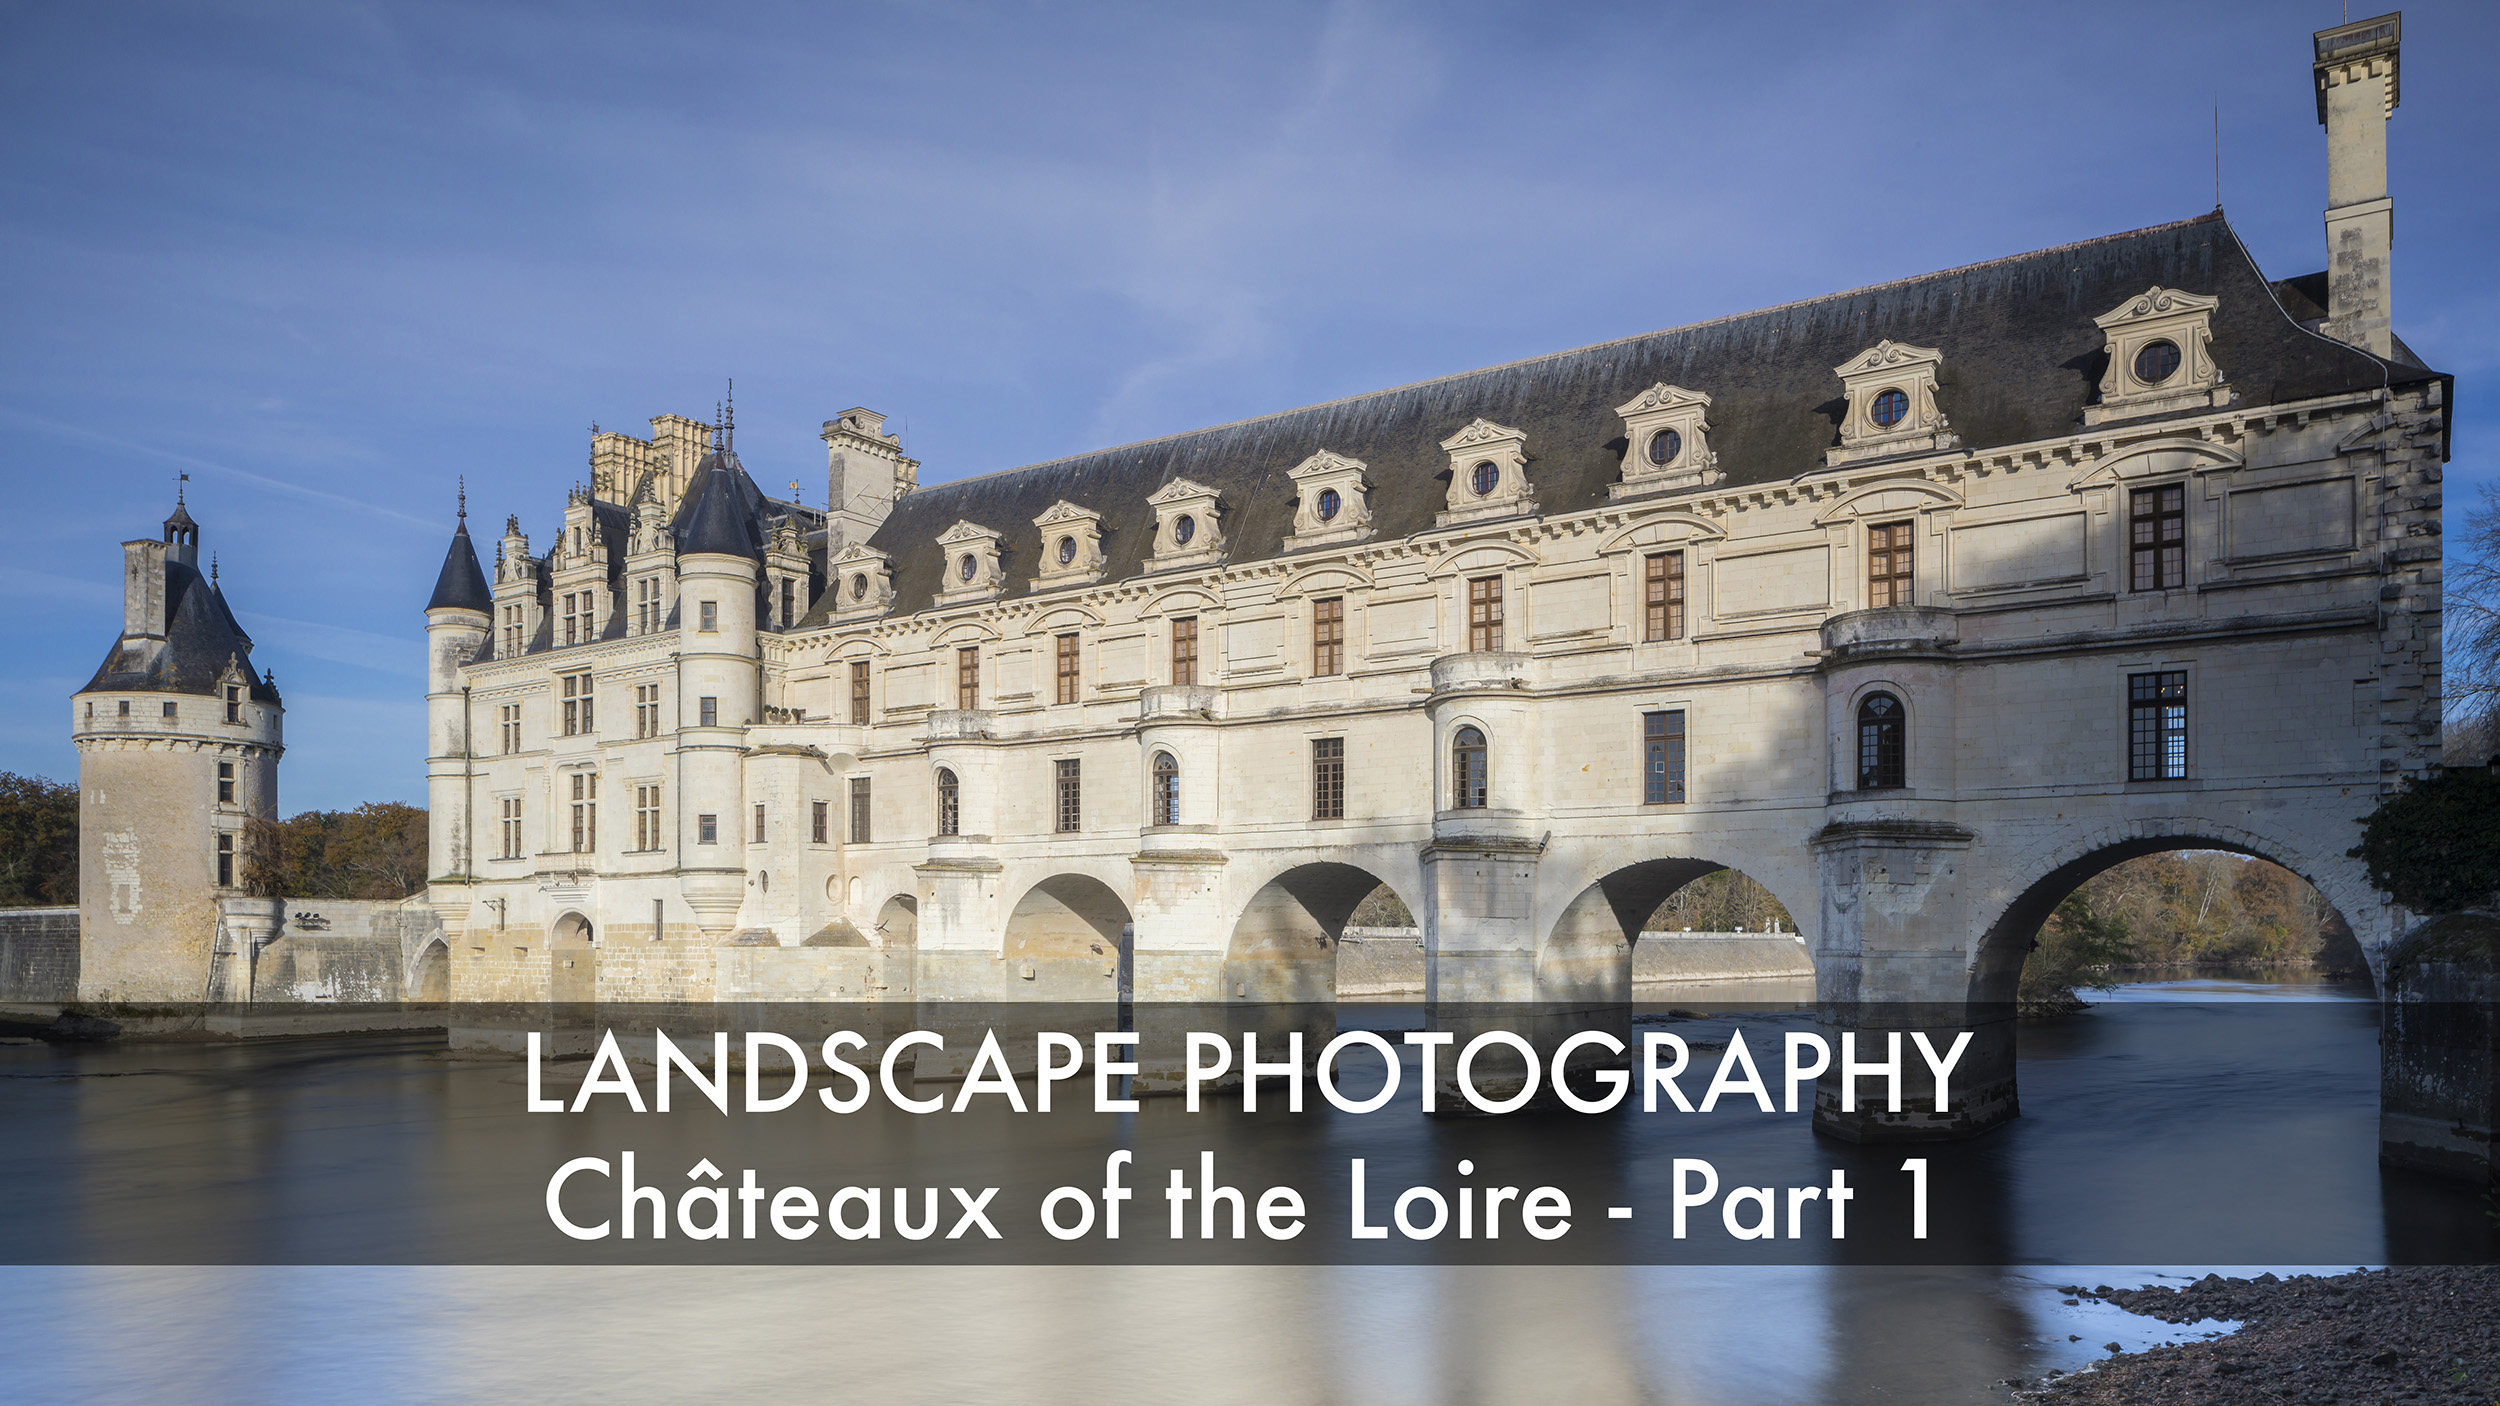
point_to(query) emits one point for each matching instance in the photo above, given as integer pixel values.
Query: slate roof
(723, 511)
(462, 585)
(2021, 359)
(201, 636)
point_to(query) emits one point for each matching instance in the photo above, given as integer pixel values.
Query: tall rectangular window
(1328, 778)
(708, 711)
(859, 810)
(1185, 649)
(1662, 758)
(234, 705)
(1662, 596)
(576, 622)
(707, 829)
(2157, 538)
(225, 783)
(968, 678)
(1328, 636)
(646, 604)
(789, 602)
(1890, 565)
(646, 710)
(759, 822)
(2157, 726)
(1071, 806)
(709, 616)
(1063, 650)
(817, 822)
(508, 814)
(225, 861)
(577, 711)
(1484, 615)
(859, 692)
(647, 817)
(512, 626)
(585, 811)
(508, 722)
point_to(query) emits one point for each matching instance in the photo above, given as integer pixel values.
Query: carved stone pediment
(975, 568)
(862, 581)
(2160, 357)
(1071, 546)
(1332, 501)
(1488, 474)
(1188, 526)
(1891, 388)
(1667, 438)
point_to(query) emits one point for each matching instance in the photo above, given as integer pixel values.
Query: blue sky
(328, 257)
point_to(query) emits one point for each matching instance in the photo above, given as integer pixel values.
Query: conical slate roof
(462, 586)
(721, 511)
(201, 638)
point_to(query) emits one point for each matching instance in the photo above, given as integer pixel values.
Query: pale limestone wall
(338, 950)
(2308, 628)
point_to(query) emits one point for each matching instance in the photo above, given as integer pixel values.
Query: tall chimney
(143, 591)
(2357, 92)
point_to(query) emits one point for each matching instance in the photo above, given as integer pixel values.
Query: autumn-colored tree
(38, 841)
(2077, 946)
(377, 850)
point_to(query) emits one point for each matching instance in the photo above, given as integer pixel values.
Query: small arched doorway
(429, 980)
(573, 961)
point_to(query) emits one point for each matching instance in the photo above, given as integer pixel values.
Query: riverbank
(2428, 1333)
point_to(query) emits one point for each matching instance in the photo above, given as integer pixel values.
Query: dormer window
(972, 564)
(1892, 405)
(1331, 501)
(1074, 538)
(1891, 395)
(1067, 551)
(1670, 441)
(1329, 505)
(859, 585)
(1188, 526)
(2161, 359)
(967, 568)
(1488, 474)
(1184, 527)
(862, 581)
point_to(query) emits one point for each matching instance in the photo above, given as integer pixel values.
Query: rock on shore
(2407, 1334)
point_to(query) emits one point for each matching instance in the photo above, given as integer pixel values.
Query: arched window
(1469, 788)
(1167, 789)
(1883, 748)
(950, 803)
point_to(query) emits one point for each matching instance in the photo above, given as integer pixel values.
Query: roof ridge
(2209, 216)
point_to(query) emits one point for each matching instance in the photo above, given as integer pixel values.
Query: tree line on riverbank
(376, 851)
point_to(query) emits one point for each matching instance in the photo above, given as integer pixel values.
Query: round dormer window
(859, 586)
(1329, 504)
(1891, 407)
(1184, 527)
(2156, 362)
(1067, 551)
(1664, 446)
(1484, 478)
(969, 567)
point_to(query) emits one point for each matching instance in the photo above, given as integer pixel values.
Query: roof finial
(212, 568)
(729, 419)
(179, 480)
(716, 424)
(464, 502)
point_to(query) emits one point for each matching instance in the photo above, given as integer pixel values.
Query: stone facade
(1918, 604)
(38, 954)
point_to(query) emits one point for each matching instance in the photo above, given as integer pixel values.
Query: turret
(458, 618)
(718, 681)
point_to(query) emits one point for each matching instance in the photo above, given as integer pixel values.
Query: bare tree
(2470, 630)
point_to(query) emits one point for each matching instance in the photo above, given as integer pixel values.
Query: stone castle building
(1918, 604)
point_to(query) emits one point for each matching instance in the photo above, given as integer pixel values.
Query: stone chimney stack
(2357, 92)
(865, 471)
(143, 591)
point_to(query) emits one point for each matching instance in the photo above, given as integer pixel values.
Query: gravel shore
(2412, 1333)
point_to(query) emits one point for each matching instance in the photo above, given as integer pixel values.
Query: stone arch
(898, 922)
(1067, 939)
(1586, 954)
(429, 976)
(573, 960)
(1997, 955)
(1285, 940)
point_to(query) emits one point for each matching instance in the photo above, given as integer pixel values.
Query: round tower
(458, 617)
(178, 746)
(719, 684)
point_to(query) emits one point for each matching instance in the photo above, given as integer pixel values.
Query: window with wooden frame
(789, 602)
(577, 705)
(508, 720)
(647, 817)
(1167, 789)
(508, 813)
(1662, 758)
(1883, 743)
(968, 677)
(707, 712)
(225, 783)
(2157, 538)
(1662, 596)
(1328, 636)
(1328, 778)
(759, 822)
(1185, 650)
(1470, 770)
(2157, 726)
(225, 861)
(646, 710)
(950, 816)
(585, 812)
(859, 692)
(1063, 656)
(819, 822)
(1484, 615)
(1071, 799)
(860, 811)
(1891, 564)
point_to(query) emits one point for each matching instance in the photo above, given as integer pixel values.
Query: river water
(2176, 1127)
